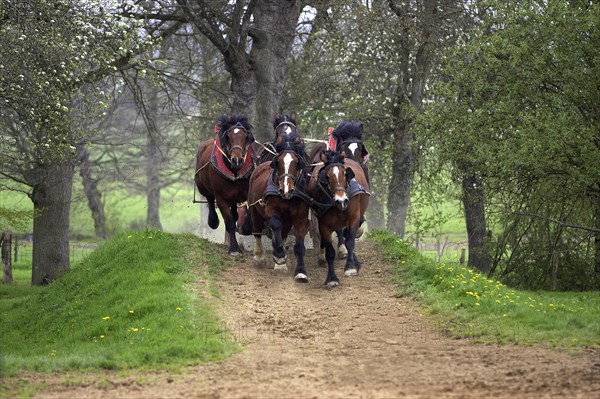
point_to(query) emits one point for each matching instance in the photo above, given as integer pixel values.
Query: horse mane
(328, 157)
(284, 118)
(226, 121)
(290, 142)
(348, 130)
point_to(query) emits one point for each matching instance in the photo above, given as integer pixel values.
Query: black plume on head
(284, 118)
(291, 142)
(227, 121)
(348, 130)
(329, 157)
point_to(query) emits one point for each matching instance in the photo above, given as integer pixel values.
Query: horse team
(280, 185)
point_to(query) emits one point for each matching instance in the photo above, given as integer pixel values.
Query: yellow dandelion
(102, 337)
(131, 311)
(178, 309)
(105, 318)
(134, 329)
(128, 237)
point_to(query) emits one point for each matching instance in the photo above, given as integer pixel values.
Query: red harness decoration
(218, 160)
(332, 143)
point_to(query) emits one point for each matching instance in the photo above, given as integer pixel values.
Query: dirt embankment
(357, 340)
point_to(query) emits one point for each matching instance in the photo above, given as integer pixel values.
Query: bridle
(323, 183)
(301, 166)
(228, 150)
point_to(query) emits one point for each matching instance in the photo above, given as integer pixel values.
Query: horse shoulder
(359, 173)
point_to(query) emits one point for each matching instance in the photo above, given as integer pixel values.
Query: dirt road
(357, 340)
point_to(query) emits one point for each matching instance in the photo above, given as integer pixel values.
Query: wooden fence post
(462, 257)
(6, 241)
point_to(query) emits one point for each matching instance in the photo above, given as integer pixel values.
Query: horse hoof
(301, 278)
(342, 252)
(351, 272)
(236, 254)
(332, 284)
(280, 267)
(280, 261)
(259, 260)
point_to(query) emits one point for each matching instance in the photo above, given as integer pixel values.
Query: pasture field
(488, 310)
(130, 303)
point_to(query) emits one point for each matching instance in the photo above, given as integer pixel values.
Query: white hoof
(332, 284)
(301, 278)
(351, 272)
(280, 261)
(236, 254)
(280, 267)
(342, 252)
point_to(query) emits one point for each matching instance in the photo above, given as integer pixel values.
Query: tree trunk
(400, 184)
(153, 161)
(472, 198)
(51, 198)
(6, 241)
(90, 188)
(596, 207)
(153, 184)
(277, 20)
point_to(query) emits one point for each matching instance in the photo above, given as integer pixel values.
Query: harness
(326, 200)
(219, 156)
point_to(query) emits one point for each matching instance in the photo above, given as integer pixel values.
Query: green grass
(469, 305)
(129, 304)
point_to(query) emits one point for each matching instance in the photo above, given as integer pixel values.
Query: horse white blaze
(353, 147)
(287, 161)
(236, 130)
(339, 198)
(288, 130)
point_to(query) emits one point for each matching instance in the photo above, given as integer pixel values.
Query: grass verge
(467, 304)
(129, 304)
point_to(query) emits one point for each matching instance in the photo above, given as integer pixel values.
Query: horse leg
(279, 255)
(352, 266)
(360, 230)
(342, 252)
(332, 280)
(213, 219)
(229, 219)
(259, 256)
(300, 230)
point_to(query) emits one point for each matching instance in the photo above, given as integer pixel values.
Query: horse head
(288, 166)
(335, 178)
(348, 136)
(285, 127)
(235, 136)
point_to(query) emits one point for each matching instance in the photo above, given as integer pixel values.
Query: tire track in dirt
(355, 341)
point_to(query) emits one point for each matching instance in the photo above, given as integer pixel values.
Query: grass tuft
(471, 305)
(130, 303)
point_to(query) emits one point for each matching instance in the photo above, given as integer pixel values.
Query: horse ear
(323, 156)
(293, 118)
(250, 138)
(349, 174)
(274, 163)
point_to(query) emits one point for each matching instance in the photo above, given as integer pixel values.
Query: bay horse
(223, 168)
(345, 139)
(276, 199)
(340, 193)
(285, 128)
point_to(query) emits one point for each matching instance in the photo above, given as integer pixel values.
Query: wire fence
(22, 251)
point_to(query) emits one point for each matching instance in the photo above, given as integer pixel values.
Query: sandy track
(357, 340)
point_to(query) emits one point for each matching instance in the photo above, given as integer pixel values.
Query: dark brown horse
(346, 139)
(340, 190)
(223, 168)
(286, 130)
(277, 200)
